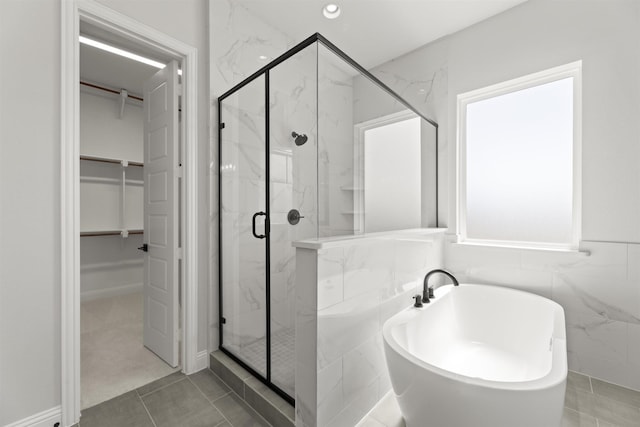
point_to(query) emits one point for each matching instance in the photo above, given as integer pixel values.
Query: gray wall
(30, 188)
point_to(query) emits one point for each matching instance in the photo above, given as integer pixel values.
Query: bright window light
(519, 163)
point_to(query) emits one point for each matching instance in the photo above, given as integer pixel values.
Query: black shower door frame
(264, 71)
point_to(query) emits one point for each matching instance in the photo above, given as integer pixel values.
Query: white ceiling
(375, 31)
(113, 71)
(370, 31)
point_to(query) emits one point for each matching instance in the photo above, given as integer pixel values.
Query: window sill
(523, 247)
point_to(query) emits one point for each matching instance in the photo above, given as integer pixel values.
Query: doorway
(110, 26)
(125, 343)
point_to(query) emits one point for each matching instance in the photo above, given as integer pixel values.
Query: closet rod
(106, 89)
(105, 160)
(108, 233)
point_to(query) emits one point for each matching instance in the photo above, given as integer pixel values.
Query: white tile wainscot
(346, 288)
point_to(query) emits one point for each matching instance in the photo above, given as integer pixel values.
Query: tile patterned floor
(197, 400)
(589, 402)
(113, 358)
(203, 399)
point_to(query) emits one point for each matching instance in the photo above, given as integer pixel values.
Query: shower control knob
(294, 216)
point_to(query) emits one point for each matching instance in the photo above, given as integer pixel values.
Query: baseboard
(110, 292)
(202, 360)
(46, 418)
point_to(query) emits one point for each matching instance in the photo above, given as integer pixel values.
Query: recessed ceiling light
(263, 57)
(331, 11)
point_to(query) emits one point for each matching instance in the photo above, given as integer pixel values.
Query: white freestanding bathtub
(479, 356)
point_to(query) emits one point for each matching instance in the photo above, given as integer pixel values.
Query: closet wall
(110, 264)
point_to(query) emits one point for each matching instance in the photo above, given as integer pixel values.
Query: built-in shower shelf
(351, 188)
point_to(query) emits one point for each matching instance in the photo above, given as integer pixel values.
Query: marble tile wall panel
(293, 107)
(600, 294)
(358, 287)
(330, 277)
(335, 150)
(306, 324)
(238, 39)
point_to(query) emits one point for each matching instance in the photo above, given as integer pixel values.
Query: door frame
(72, 12)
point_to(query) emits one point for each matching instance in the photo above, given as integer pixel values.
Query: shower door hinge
(223, 320)
(222, 125)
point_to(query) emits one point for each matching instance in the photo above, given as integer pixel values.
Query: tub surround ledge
(346, 288)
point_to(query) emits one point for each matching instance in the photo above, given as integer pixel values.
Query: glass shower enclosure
(292, 168)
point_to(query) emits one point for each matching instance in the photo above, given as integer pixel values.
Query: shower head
(299, 139)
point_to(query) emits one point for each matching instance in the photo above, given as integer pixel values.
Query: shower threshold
(258, 396)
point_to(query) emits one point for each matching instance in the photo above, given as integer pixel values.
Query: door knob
(294, 216)
(144, 248)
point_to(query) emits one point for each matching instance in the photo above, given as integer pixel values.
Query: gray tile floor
(588, 402)
(198, 400)
(203, 399)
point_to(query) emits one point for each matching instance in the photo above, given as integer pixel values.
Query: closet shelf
(108, 160)
(109, 232)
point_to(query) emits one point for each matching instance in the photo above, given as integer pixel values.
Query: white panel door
(161, 214)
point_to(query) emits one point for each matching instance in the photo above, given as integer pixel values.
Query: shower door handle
(253, 225)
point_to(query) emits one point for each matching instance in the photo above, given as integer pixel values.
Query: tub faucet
(427, 292)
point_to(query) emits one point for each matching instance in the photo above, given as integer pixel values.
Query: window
(519, 148)
(392, 176)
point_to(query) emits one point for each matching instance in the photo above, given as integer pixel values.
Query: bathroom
(597, 282)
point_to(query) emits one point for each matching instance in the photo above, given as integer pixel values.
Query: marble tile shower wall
(237, 40)
(293, 174)
(344, 296)
(292, 181)
(335, 155)
(600, 294)
(303, 99)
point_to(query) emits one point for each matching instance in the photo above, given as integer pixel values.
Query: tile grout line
(160, 388)
(253, 409)
(223, 381)
(232, 391)
(211, 403)
(147, 410)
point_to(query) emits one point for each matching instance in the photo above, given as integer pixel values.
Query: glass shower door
(293, 153)
(243, 213)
